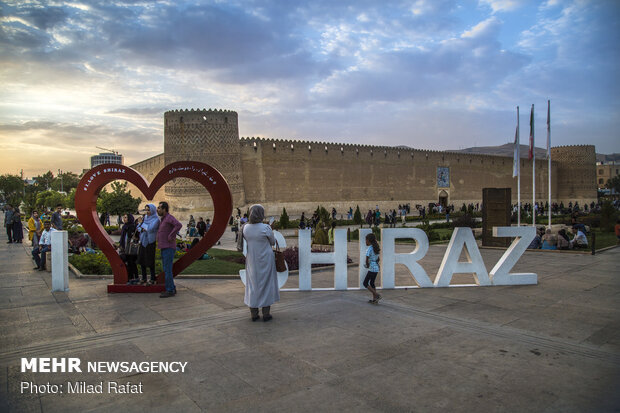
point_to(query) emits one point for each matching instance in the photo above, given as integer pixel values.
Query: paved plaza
(553, 347)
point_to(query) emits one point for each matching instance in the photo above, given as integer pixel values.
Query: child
(372, 263)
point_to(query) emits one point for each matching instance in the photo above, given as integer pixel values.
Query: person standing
(148, 237)
(166, 239)
(57, 218)
(8, 222)
(331, 234)
(45, 245)
(261, 285)
(201, 227)
(18, 227)
(128, 231)
(35, 228)
(372, 263)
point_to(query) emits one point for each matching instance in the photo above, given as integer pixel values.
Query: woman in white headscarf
(261, 286)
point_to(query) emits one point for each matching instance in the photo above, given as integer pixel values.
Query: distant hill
(614, 157)
(503, 150)
(508, 150)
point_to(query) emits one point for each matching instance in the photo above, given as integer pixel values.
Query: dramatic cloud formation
(437, 74)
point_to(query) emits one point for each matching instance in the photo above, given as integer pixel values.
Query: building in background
(106, 157)
(606, 171)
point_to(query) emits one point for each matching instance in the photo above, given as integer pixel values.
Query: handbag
(280, 263)
(132, 245)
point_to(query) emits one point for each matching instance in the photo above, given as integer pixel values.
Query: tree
(357, 217)
(49, 199)
(70, 199)
(608, 216)
(284, 220)
(66, 181)
(614, 183)
(323, 215)
(119, 201)
(11, 189)
(45, 180)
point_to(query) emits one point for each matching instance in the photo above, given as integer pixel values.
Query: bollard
(60, 261)
(593, 242)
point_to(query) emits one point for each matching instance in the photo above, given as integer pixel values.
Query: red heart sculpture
(86, 201)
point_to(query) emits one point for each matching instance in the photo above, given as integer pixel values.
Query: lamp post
(60, 175)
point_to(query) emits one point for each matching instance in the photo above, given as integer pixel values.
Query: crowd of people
(542, 208)
(546, 240)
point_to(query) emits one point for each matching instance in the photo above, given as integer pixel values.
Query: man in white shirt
(580, 240)
(45, 245)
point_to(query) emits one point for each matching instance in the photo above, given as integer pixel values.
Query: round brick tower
(209, 136)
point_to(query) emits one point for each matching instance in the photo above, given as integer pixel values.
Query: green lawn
(603, 239)
(223, 263)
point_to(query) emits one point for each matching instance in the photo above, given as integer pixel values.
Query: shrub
(432, 235)
(594, 221)
(291, 256)
(91, 263)
(464, 221)
(284, 221)
(111, 228)
(323, 214)
(357, 217)
(320, 235)
(608, 216)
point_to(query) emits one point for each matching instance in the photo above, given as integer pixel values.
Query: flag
(531, 153)
(517, 155)
(548, 129)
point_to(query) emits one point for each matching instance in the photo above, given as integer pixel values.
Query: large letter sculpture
(500, 274)
(390, 258)
(338, 258)
(462, 237)
(86, 201)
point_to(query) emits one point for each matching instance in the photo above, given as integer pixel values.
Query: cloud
(502, 5)
(473, 63)
(138, 111)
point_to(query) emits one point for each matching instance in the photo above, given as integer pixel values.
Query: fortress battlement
(177, 111)
(347, 148)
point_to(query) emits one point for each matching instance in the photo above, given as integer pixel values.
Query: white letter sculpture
(450, 263)
(282, 276)
(60, 261)
(389, 258)
(307, 258)
(363, 247)
(500, 274)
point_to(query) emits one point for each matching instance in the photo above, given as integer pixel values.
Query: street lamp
(60, 175)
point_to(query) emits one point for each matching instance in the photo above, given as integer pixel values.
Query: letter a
(450, 263)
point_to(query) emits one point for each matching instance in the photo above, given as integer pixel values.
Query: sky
(429, 74)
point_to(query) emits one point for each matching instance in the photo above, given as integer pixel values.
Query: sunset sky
(429, 74)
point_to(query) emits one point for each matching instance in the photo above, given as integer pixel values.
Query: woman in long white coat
(261, 286)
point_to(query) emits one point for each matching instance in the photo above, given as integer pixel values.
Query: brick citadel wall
(299, 175)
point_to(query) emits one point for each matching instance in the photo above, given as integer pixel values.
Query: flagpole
(549, 154)
(533, 168)
(518, 173)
